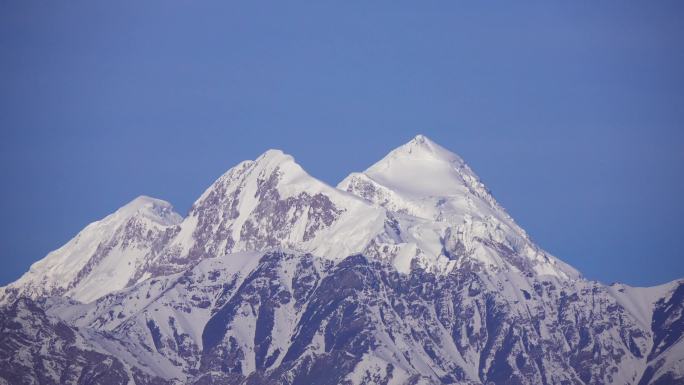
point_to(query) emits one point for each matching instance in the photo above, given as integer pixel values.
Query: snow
(111, 274)
(640, 301)
(169, 294)
(154, 209)
(404, 170)
(430, 189)
(425, 189)
(60, 268)
(421, 203)
(402, 261)
(344, 237)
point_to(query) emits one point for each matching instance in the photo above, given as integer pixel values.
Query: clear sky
(572, 112)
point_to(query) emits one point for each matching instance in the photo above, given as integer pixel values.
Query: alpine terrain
(406, 273)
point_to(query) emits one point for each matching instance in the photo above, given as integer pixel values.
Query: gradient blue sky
(572, 112)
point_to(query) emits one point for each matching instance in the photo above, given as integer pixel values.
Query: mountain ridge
(233, 220)
(409, 272)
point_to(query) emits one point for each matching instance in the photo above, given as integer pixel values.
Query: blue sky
(572, 113)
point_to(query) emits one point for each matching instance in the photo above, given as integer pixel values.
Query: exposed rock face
(290, 318)
(407, 273)
(268, 203)
(38, 349)
(666, 357)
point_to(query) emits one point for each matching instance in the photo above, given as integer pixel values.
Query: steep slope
(103, 257)
(421, 205)
(666, 358)
(448, 214)
(407, 273)
(38, 349)
(256, 205)
(292, 318)
(423, 179)
(270, 203)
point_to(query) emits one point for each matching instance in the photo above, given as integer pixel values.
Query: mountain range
(409, 272)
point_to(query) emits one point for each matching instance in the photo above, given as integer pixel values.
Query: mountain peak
(423, 179)
(419, 203)
(272, 202)
(102, 257)
(274, 156)
(422, 147)
(420, 168)
(274, 160)
(273, 166)
(421, 141)
(143, 202)
(157, 210)
(445, 198)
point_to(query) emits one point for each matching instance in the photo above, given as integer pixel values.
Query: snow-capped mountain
(103, 257)
(407, 273)
(445, 211)
(269, 203)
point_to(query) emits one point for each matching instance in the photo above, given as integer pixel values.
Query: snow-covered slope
(290, 318)
(407, 273)
(256, 205)
(419, 206)
(425, 180)
(641, 301)
(445, 210)
(103, 257)
(270, 202)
